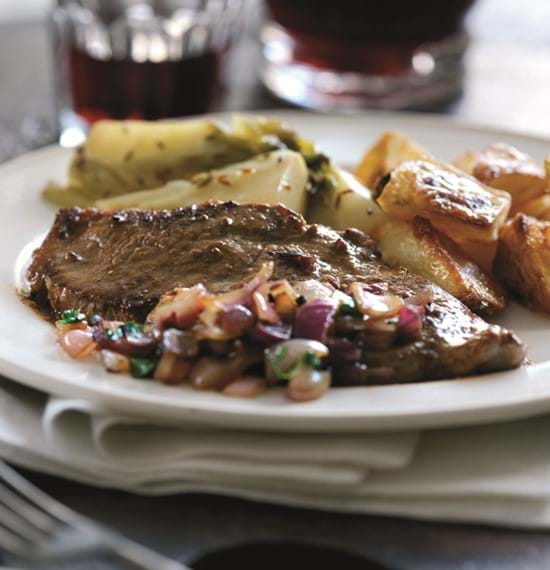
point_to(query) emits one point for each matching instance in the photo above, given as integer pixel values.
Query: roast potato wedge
(388, 152)
(523, 260)
(466, 161)
(454, 202)
(481, 252)
(415, 244)
(504, 167)
(538, 207)
(419, 247)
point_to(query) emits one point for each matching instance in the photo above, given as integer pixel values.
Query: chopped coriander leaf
(317, 160)
(142, 367)
(312, 360)
(71, 317)
(129, 329)
(272, 143)
(319, 169)
(114, 334)
(132, 328)
(275, 359)
(349, 309)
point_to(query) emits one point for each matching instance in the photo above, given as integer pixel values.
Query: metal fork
(38, 531)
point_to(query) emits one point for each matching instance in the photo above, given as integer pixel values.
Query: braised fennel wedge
(121, 158)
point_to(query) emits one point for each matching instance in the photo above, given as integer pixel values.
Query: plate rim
(432, 120)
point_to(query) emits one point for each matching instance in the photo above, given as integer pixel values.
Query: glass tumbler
(138, 59)
(350, 54)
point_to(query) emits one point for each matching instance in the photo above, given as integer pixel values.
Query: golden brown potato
(504, 167)
(419, 247)
(466, 161)
(455, 203)
(547, 172)
(538, 207)
(414, 245)
(391, 149)
(523, 260)
(482, 252)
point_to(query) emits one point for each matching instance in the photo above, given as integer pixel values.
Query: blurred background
(486, 61)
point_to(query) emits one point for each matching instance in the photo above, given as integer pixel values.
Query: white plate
(28, 352)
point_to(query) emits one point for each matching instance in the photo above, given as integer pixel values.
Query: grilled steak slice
(118, 264)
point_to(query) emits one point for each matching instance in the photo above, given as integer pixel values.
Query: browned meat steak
(118, 264)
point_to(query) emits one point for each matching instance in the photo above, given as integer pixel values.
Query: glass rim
(147, 36)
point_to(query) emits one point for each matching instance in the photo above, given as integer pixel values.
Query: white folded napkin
(123, 452)
(496, 474)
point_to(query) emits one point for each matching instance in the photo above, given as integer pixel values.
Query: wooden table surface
(508, 85)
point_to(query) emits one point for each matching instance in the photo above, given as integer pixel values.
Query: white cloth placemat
(497, 474)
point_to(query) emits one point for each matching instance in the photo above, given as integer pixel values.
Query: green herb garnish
(272, 142)
(114, 334)
(142, 367)
(319, 168)
(275, 359)
(349, 308)
(129, 329)
(317, 161)
(312, 360)
(132, 328)
(71, 317)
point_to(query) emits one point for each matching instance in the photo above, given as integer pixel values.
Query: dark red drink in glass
(126, 89)
(138, 59)
(355, 53)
